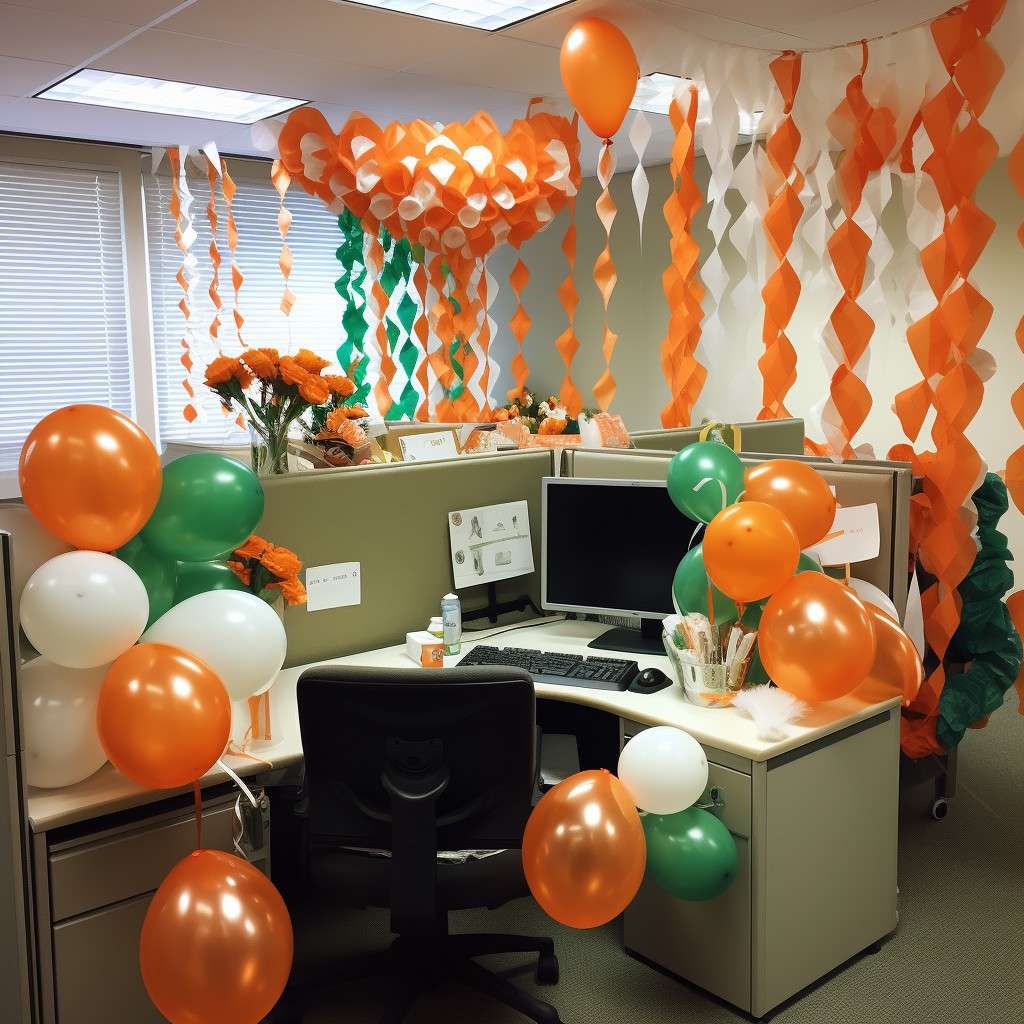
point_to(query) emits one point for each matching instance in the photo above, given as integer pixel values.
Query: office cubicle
(885, 484)
(780, 437)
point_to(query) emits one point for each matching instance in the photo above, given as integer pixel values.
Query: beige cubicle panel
(778, 437)
(885, 484)
(393, 520)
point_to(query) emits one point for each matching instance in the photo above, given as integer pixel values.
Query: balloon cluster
(816, 637)
(156, 701)
(586, 844)
(461, 188)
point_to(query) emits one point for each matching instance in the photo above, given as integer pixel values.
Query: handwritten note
(431, 445)
(333, 586)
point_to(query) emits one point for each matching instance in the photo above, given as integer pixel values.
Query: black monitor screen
(612, 545)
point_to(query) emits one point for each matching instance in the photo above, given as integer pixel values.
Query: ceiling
(346, 57)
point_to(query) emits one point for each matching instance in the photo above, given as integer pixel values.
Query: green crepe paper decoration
(703, 478)
(351, 287)
(157, 573)
(201, 577)
(691, 854)
(209, 505)
(986, 637)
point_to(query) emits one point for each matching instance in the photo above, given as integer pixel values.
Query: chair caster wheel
(547, 970)
(940, 808)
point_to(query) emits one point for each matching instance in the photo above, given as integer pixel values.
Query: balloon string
(198, 794)
(711, 604)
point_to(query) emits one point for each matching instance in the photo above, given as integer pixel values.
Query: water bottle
(451, 617)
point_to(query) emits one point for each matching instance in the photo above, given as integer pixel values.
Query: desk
(814, 817)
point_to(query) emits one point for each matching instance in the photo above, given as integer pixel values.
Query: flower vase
(269, 451)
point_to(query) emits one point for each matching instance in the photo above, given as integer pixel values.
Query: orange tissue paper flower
(260, 363)
(291, 589)
(242, 571)
(310, 361)
(220, 370)
(551, 425)
(339, 384)
(291, 372)
(253, 547)
(272, 354)
(314, 390)
(282, 562)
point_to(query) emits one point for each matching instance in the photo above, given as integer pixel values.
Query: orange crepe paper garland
(944, 340)
(421, 329)
(605, 275)
(519, 325)
(189, 412)
(567, 343)
(282, 180)
(377, 300)
(1014, 473)
(782, 289)
(215, 259)
(684, 375)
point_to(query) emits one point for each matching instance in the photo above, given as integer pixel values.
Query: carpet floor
(958, 953)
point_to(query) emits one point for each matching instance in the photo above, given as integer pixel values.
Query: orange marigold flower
(310, 361)
(260, 363)
(271, 353)
(552, 426)
(253, 547)
(314, 390)
(241, 374)
(242, 571)
(291, 372)
(282, 562)
(291, 589)
(351, 433)
(220, 370)
(339, 385)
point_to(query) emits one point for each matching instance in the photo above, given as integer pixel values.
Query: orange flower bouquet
(269, 571)
(273, 392)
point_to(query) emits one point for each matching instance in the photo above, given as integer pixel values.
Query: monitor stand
(645, 640)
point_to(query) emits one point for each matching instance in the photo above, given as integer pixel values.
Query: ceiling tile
(25, 77)
(64, 38)
(871, 19)
(132, 12)
(500, 62)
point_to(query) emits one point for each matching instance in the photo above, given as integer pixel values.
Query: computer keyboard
(554, 667)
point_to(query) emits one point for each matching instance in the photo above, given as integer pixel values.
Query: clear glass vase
(269, 451)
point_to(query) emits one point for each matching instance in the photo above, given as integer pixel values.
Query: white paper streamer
(639, 137)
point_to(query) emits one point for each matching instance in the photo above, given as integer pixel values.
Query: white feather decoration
(771, 709)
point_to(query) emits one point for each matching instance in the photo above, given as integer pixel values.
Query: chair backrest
(463, 737)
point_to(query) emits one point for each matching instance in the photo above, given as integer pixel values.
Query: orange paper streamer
(377, 299)
(215, 258)
(1014, 472)
(464, 407)
(519, 325)
(189, 411)
(228, 189)
(605, 275)
(282, 179)
(484, 340)
(944, 340)
(684, 375)
(442, 320)
(421, 329)
(782, 289)
(567, 343)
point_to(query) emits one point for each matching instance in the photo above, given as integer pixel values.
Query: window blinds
(315, 321)
(64, 324)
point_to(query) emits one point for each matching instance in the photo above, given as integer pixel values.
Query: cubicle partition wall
(885, 484)
(392, 520)
(779, 437)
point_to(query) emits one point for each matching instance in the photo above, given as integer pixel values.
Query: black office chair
(411, 763)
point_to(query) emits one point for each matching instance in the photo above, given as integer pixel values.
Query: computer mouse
(650, 680)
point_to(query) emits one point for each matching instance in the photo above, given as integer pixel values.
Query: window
(315, 320)
(64, 330)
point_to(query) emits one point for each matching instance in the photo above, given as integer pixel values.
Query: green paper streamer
(351, 287)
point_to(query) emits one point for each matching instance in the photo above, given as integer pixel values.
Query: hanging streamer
(180, 207)
(489, 289)
(376, 306)
(1014, 474)
(442, 322)
(605, 276)
(281, 179)
(945, 340)
(520, 325)
(212, 177)
(639, 137)
(781, 291)
(567, 343)
(228, 190)
(421, 329)
(684, 375)
(350, 286)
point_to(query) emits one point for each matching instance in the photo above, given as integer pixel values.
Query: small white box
(425, 649)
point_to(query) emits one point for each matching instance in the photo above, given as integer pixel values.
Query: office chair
(411, 764)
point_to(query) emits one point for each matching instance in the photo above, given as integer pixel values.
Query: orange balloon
(599, 72)
(798, 491)
(164, 716)
(216, 943)
(584, 850)
(816, 638)
(750, 550)
(90, 475)
(897, 670)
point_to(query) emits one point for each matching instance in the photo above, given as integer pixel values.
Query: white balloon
(873, 595)
(237, 634)
(83, 609)
(664, 769)
(58, 723)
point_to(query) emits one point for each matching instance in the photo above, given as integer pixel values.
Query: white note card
(333, 586)
(854, 537)
(490, 543)
(439, 444)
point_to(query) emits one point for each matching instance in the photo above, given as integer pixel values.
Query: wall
(733, 391)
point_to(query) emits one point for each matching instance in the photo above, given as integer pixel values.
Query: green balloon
(690, 589)
(156, 573)
(704, 478)
(208, 506)
(807, 564)
(690, 854)
(201, 577)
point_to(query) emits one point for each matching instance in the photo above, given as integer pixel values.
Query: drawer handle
(716, 799)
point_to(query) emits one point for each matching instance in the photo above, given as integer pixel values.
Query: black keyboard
(563, 669)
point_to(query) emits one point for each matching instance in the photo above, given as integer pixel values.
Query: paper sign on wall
(854, 537)
(490, 543)
(430, 445)
(333, 586)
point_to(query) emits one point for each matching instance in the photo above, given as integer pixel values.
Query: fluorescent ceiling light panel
(654, 94)
(156, 96)
(486, 14)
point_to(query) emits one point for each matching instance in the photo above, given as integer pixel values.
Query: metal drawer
(109, 870)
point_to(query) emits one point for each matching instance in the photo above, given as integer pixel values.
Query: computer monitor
(611, 547)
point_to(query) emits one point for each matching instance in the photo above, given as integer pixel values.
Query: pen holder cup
(703, 684)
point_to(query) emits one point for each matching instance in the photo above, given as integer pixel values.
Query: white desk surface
(725, 728)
